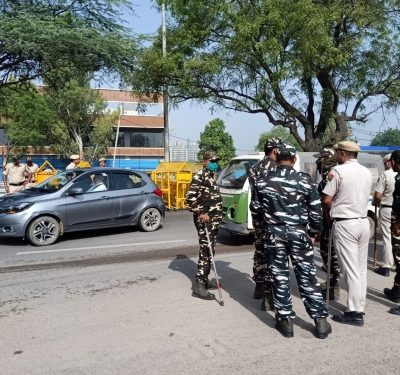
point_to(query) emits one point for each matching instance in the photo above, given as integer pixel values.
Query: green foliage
(390, 137)
(40, 37)
(277, 132)
(216, 139)
(305, 64)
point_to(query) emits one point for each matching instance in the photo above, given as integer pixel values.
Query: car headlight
(15, 208)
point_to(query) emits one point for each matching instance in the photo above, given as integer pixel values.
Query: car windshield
(235, 173)
(56, 182)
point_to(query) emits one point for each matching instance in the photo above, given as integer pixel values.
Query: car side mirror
(75, 191)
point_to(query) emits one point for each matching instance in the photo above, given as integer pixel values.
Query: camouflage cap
(326, 153)
(272, 142)
(285, 149)
(210, 155)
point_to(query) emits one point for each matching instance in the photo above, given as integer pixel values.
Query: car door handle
(105, 197)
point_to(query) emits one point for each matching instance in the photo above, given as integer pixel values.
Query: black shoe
(392, 295)
(322, 328)
(258, 291)
(395, 310)
(285, 327)
(383, 271)
(200, 291)
(350, 317)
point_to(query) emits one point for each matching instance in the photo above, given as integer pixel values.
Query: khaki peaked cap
(74, 157)
(387, 157)
(347, 146)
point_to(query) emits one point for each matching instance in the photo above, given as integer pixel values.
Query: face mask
(212, 166)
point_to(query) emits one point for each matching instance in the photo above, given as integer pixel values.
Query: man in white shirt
(345, 199)
(383, 198)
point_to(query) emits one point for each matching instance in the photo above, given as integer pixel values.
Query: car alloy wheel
(150, 220)
(43, 231)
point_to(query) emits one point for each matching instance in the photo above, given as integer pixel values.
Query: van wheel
(43, 231)
(150, 220)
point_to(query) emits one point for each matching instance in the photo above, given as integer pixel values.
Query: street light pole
(165, 88)
(121, 111)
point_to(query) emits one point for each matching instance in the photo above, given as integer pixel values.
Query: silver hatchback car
(82, 199)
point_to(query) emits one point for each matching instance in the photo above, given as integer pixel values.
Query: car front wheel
(43, 231)
(150, 220)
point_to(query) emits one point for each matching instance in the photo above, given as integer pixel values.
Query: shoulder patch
(330, 176)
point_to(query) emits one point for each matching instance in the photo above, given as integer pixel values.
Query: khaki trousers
(384, 219)
(351, 239)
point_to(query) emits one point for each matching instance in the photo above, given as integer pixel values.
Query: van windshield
(235, 173)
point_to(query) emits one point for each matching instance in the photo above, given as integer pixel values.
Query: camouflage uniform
(260, 275)
(325, 162)
(203, 197)
(291, 207)
(395, 291)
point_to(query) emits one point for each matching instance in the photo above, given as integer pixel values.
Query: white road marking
(97, 247)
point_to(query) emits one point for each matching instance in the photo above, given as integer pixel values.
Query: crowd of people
(290, 214)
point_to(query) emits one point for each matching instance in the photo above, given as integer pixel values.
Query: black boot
(393, 294)
(258, 291)
(200, 291)
(322, 328)
(285, 327)
(353, 318)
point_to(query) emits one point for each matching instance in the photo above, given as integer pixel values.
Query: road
(128, 309)
(113, 245)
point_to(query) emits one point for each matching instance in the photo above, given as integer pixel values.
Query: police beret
(210, 155)
(387, 157)
(272, 142)
(347, 146)
(326, 152)
(285, 149)
(74, 157)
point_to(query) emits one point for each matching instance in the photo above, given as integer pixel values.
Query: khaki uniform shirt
(385, 186)
(71, 165)
(349, 185)
(16, 173)
(33, 168)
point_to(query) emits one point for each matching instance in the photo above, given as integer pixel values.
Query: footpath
(140, 318)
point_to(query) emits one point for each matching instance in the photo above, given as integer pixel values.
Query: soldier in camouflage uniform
(262, 279)
(204, 200)
(394, 293)
(291, 207)
(325, 162)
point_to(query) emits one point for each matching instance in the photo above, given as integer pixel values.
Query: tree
(277, 132)
(302, 63)
(390, 137)
(214, 138)
(39, 37)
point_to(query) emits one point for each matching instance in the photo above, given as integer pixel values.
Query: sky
(189, 120)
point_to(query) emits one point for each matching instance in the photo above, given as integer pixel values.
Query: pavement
(140, 318)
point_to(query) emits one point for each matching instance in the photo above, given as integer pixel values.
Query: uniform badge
(331, 176)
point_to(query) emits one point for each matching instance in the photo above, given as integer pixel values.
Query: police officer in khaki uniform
(383, 198)
(102, 162)
(16, 176)
(75, 160)
(345, 198)
(33, 167)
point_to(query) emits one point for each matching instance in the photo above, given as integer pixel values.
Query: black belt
(386, 206)
(347, 218)
(19, 184)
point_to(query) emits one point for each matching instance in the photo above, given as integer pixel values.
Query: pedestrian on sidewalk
(291, 207)
(205, 201)
(345, 199)
(383, 198)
